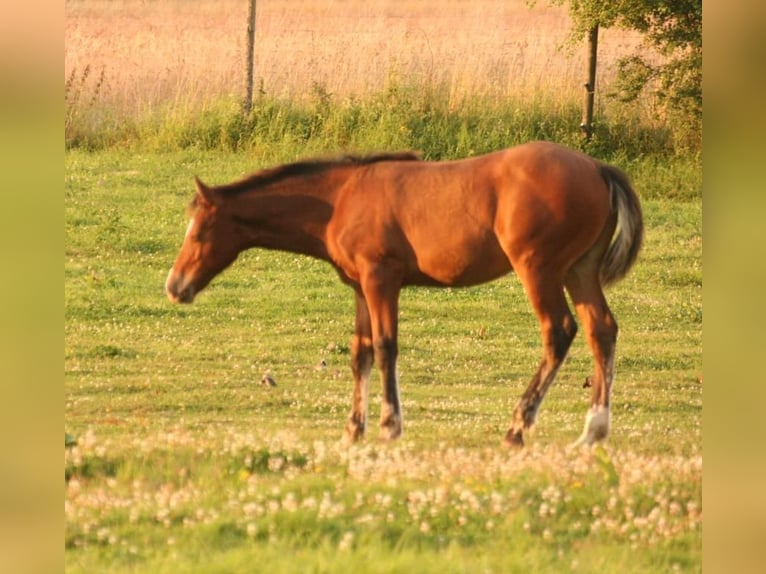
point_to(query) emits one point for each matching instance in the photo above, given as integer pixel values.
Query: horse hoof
(391, 428)
(514, 439)
(353, 433)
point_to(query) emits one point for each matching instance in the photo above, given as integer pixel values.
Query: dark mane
(309, 167)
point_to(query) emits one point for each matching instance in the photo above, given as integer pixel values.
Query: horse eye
(196, 235)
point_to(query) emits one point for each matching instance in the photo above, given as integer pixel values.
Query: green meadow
(178, 459)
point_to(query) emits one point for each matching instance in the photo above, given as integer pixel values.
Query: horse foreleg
(381, 290)
(361, 364)
(390, 409)
(558, 331)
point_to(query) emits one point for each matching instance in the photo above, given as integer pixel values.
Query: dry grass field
(140, 54)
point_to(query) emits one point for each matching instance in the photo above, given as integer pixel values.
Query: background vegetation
(178, 459)
(365, 75)
(671, 29)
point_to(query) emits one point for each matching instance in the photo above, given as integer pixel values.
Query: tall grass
(404, 116)
(463, 79)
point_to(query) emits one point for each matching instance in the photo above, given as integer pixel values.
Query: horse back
(468, 221)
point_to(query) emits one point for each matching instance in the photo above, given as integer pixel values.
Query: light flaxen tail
(629, 233)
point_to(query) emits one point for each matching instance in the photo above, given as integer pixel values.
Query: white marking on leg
(596, 426)
(365, 402)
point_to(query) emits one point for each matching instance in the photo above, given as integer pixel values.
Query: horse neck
(290, 215)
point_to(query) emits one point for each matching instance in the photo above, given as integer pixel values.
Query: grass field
(177, 459)
(184, 462)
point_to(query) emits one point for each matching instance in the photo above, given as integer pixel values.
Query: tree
(671, 27)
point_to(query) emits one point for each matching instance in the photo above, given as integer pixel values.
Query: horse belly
(458, 260)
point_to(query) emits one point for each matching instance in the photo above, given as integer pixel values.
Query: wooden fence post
(590, 87)
(248, 103)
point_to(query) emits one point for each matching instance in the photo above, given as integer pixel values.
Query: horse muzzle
(178, 289)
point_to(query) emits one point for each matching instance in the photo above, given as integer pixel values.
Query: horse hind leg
(558, 330)
(600, 328)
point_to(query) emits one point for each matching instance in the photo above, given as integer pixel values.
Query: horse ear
(205, 192)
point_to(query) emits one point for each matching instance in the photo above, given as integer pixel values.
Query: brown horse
(557, 217)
